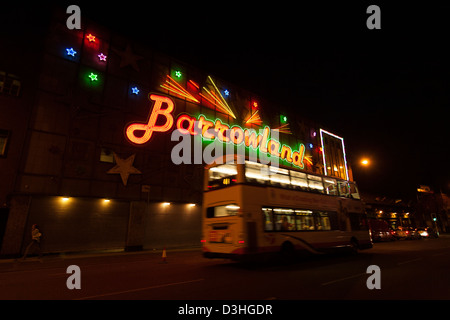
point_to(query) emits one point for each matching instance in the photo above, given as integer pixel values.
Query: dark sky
(385, 91)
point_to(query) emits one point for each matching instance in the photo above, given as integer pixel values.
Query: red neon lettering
(151, 126)
(251, 139)
(236, 135)
(191, 125)
(220, 129)
(204, 125)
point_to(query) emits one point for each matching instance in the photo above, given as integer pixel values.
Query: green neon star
(93, 76)
(178, 74)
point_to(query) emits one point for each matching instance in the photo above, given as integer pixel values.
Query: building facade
(88, 149)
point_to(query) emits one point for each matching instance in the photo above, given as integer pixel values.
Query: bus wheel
(354, 246)
(287, 250)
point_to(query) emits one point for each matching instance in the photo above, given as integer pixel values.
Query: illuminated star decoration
(178, 74)
(135, 90)
(128, 58)
(226, 92)
(93, 76)
(124, 167)
(102, 57)
(71, 52)
(90, 37)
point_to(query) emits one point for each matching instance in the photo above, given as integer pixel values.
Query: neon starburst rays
(214, 97)
(173, 86)
(284, 128)
(254, 119)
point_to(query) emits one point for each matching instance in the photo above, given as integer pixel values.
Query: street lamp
(365, 162)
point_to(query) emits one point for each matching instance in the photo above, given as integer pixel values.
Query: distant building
(396, 212)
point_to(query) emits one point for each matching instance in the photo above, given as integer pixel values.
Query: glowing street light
(365, 162)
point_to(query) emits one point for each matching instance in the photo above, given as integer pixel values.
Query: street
(413, 269)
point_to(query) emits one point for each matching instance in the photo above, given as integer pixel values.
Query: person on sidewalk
(35, 241)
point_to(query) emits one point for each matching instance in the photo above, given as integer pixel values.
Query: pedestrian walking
(35, 241)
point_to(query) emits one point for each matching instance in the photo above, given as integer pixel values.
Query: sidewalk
(8, 265)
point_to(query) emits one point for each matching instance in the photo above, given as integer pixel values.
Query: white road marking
(342, 279)
(409, 261)
(140, 289)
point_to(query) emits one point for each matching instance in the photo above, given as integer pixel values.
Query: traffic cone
(164, 255)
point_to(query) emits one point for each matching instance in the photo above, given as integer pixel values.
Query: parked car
(427, 233)
(380, 230)
(406, 233)
(399, 234)
(412, 234)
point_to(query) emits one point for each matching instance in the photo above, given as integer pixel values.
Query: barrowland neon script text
(210, 130)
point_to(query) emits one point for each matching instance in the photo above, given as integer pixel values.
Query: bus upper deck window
(256, 172)
(315, 183)
(330, 186)
(279, 177)
(298, 180)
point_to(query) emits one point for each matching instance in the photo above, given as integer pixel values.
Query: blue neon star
(135, 90)
(227, 93)
(71, 52)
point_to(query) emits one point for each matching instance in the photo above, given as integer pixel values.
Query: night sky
(385, 91)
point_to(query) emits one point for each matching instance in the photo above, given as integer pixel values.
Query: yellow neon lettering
(286, 153)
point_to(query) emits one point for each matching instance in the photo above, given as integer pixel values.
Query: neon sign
(151, 126)
(141, 133)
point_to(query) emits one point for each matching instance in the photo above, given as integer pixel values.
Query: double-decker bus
(252, 210)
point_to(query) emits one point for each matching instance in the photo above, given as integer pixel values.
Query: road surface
(415, 269)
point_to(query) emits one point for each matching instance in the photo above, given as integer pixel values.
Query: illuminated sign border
(323, 152)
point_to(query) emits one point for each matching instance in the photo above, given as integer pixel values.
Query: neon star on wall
(102, 57)
(124, 167)
(90, 37)
(135, 90)
(71, 52)
(93, 76)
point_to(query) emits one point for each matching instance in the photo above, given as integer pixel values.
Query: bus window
(315, 183)
(267, 219)
(256, 172)
(298, 180)
(304, 220)
(222, 175)
(279, 177)
(330, 186)
(284, 219)
(222, 211)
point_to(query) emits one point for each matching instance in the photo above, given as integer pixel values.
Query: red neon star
(90, 37)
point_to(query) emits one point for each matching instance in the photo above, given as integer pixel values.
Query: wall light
(65, 199)
(190, 205)
(165, 204)
(106, 201)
